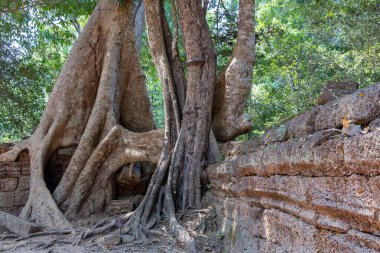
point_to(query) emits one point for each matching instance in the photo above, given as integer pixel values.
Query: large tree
(100, 104)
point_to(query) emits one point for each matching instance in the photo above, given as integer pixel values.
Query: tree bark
(187, 127)
(139, 24)
(100, 104)
(233, 85)
(99, 95)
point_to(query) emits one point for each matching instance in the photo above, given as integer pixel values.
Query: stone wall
(14, 177)
(304, 186)
(14, 182)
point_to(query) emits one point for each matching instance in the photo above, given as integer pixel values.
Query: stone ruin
(304, 186)
(130, 182)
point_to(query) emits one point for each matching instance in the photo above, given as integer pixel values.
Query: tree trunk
(100, 98)
(233, 85)
(99, 95)
(177, 179)
(139, 25)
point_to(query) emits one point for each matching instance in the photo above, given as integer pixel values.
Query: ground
(201, 224)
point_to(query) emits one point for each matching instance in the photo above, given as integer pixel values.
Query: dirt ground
(201, 224)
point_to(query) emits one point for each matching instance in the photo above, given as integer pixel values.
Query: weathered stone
(289, 196)
(239, 148)
(242, 227)
(119, 206)
(8, 184)
(319, 192)
(110, 240)
(374, 125)
(374, 184)
(325, 153)
(365, 239)
(351, 194)
(333, 90)
(23, 183)
(341, 243)
(7, 199)
(301, 125)
(136, 200)
(21, 197)
(361, 107)
(23, 156)
(9, 169)
(129, 176)
(328, 222)
(361, 153)
(292, 234)
(25, 171)
(276, 134)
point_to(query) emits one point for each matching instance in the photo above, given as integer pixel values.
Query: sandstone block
(8, 184)
(9, 170)
(25, 169)
(333, 90)
(7, 199)
(23, 183)
(119, 206)
(362, 153)
(238, 148)
(341, 243)
(276, 134)
(364, 239)
(129, 175)
(301, 125)
(362, 107)
(23, 156)
(292, 234)
(374, 184)
(110, 240)
(21, 197)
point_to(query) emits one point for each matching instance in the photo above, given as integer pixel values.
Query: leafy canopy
(300, 44)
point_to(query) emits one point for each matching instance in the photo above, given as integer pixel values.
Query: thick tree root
(94, 101)
(110, 101)
(12, 154)
(17, 225)
(43, 233)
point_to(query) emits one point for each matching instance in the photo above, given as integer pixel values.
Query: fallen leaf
(345, 122)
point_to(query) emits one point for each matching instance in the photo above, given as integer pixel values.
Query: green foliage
(222, 18)
(35, 38)
(153, 83)
(220, 235)
(301, 44)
